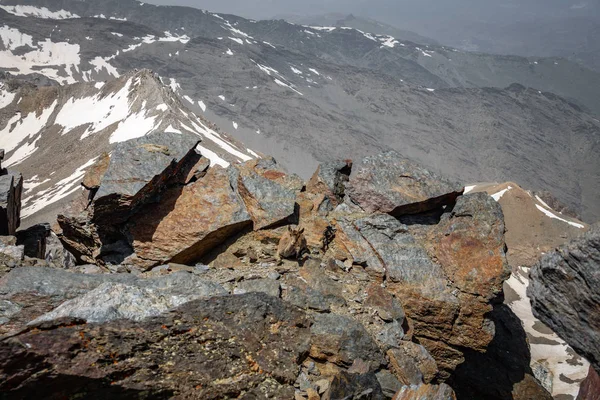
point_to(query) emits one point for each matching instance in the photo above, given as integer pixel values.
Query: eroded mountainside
(305, 94)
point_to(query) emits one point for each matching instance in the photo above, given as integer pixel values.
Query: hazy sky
(399, 10)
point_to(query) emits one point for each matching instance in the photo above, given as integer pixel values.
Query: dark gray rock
(308, 298)
(11, 187)
(266, 190)
(565, 293)
(56, 254)
(390, 385)
(343, 341)
(347, 386)
(405, 260)
(268, 286)
(390, 183)
(330, 178)
(139, 170)
(34, 240)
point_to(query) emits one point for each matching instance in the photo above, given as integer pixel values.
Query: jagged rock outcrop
(11, 187)
(390, 183)
(565, 293)
(139, 170)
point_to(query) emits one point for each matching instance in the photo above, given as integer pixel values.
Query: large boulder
(223, 347)
(565, 293)
(139, 170)
(268, 193)
(390, 183)
(34, 240)
(189, 221)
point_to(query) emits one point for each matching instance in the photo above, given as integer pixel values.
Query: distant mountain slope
(52, 135)
(357, 22)
(334, 93)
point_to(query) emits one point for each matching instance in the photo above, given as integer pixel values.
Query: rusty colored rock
(93, 175)
(189, 221)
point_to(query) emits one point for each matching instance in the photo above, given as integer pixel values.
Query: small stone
(273, 275)
(268, 286)
(322, 385)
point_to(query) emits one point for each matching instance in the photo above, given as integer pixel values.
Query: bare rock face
(330, 178)
(139, 170)
(590, 387)
(189, 221)
(389, 183)
(268, 193)
(565, 293)
(11, 187)
(208, 349)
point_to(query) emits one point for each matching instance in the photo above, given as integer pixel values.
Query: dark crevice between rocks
(431, 217)
(503, 371)
(221, 246)
(425, 206)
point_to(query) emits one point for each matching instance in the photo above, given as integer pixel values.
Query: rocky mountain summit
(182, 289)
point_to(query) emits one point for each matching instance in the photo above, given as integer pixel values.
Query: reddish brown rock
(93, 175)
(189, 221)
(590, 387)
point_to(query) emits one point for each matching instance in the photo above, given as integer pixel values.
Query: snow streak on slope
(85, 120)
(38, 12)
(58, 61)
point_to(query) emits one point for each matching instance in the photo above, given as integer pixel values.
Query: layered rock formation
(565, 293)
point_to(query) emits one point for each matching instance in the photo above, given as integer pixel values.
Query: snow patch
(314, 71)
(212, 157)
(202, 105)
(550, 214)
(498, 196)
(469, 189)
(38, 12)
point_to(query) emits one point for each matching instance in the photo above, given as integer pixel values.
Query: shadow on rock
(503, 372)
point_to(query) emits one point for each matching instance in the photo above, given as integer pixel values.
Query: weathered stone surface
(11, 187)
(389, 383)
(34, 240)
(11, 255)
(354, 387)
(56, 254)
(565, 293)
(268, 193)
(389, 183)
(403, 258)
(351, 240)
(209, 349)
(342, 341)
(136, 301)
(267, 286)
(426, 392)
(384, 303)
(79, 237)
(469, 245)
(330, 179)
(412, 364)
(139, 170)
(189, 221)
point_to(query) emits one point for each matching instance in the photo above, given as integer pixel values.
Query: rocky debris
(565, 293)
(139, 171)
(268, 193)
(209, 349)
(389, 183)
(11, 188)
(292, 243)
(382, 302)
(330, 178)
(426, 392)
